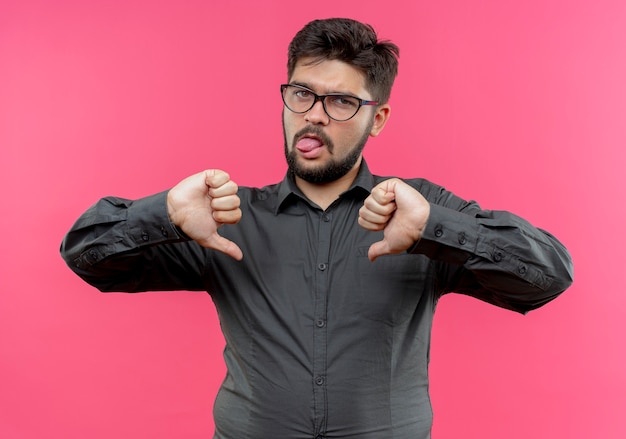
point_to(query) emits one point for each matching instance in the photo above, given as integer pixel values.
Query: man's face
(319, 149)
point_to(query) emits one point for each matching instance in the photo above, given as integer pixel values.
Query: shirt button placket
(320, 334)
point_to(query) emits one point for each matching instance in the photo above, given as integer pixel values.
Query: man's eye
(344, 101)
(303, 94)
(347, 101)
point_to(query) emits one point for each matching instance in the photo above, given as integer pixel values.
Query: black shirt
(321, 342)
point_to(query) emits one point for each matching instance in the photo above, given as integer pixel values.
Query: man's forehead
(328, 76)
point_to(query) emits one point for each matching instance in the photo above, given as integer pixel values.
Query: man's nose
(317, 115)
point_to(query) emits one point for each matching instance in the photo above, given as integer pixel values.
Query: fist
(397, 209)
(202, 203)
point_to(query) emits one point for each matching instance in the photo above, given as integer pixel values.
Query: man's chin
(311, 174)
(318, 173)
(325, 169)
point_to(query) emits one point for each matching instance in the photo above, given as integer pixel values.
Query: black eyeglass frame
(322, 98)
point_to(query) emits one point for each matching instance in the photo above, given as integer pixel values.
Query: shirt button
(462, 238)
(498, 256)
(522, 269)
(163, 231)
(320, 323)
(145, 236)
(321, 266)
(438, 231)
(325, 218)
(319, 380)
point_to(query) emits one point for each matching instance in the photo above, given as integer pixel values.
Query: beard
(330, 171)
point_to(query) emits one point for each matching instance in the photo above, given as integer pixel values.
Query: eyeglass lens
(339, 107)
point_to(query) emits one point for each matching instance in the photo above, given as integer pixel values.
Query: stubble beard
(328, 172)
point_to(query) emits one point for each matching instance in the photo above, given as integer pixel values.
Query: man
(327, 324)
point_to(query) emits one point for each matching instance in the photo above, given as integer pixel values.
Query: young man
(325, 283)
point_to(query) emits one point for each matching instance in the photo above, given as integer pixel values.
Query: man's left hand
(397, 209)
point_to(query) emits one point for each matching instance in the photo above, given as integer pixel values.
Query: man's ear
(380, 119)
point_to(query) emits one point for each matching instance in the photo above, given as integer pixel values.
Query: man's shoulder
(264, 197)
(256, 191)
(423, 185)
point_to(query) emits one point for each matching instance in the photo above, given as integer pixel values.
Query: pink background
(520, 105)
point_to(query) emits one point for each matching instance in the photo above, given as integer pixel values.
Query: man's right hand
(200, 204)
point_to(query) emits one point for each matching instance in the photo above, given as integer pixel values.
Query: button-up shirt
(321, 342)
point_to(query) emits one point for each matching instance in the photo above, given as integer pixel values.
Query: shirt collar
(364, 182)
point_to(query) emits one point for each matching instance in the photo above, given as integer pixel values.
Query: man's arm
(146, 244)
(492, 255)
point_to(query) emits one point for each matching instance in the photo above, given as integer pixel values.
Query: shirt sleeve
(494, 256)
(112, 246)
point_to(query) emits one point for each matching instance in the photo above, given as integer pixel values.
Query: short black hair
(352, 42)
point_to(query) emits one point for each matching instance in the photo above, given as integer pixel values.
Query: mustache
(317, 132)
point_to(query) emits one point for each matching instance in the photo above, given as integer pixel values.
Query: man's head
(340, 78)
(352, 42)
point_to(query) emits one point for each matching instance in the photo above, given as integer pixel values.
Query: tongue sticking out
(309, 147)
(307, 144)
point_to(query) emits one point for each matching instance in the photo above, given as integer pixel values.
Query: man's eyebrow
(310, 87)
(302, 84)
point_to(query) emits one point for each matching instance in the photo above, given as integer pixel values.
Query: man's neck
(326, 193)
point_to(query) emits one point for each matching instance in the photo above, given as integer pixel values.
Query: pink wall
(520, 105)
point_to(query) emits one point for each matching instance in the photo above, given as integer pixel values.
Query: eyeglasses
(338, 107)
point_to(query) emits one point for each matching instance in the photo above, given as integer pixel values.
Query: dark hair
(352, 42)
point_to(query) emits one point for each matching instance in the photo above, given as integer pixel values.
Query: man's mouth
(310, 146)
(308, 143)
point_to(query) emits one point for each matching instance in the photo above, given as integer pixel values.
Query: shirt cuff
(149, 222)
(449, 236)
